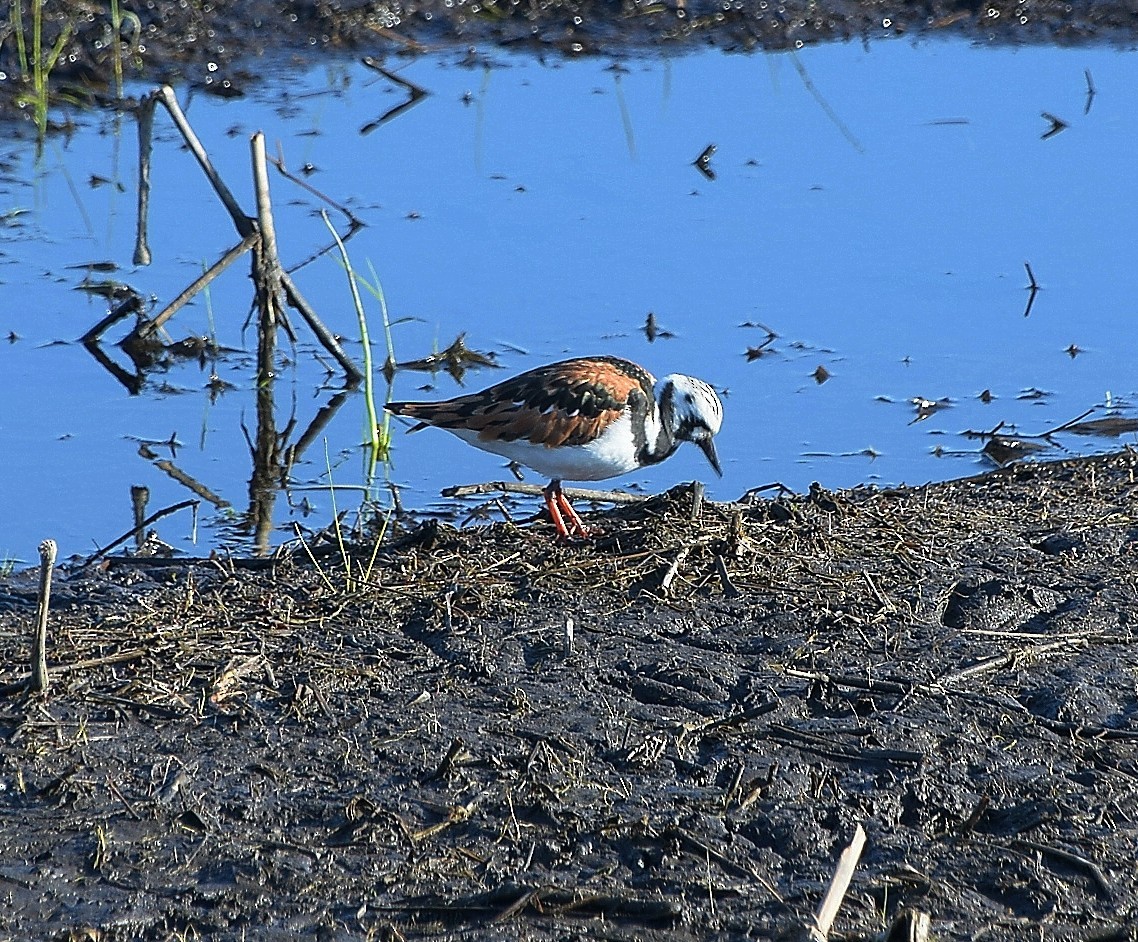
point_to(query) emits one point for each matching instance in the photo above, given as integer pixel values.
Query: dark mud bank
(424, 747)
(223, 47)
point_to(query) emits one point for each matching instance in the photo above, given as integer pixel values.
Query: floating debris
(1057, 125)
(455, 360)
(702, 163)
(1004, 450)
(1109, 427)
(652, 329)
(927, 407)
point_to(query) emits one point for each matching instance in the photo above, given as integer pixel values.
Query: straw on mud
(911, 925)
(832, 901)
(38, 682)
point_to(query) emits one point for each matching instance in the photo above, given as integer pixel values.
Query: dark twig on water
(354, 222)
(145, 116)
(242, 222)
(415, 94)
(197, 285)
(1032, 288)
(323, 334)
(1057, 125)
(132, 305)
(1066, 425)
(702, 163)
(157, 515)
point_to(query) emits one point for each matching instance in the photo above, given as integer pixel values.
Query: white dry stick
(832, 901)
(569, 636)
(48, 552)
(241, 222)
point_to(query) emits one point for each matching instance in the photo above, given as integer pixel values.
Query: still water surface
(873, 206)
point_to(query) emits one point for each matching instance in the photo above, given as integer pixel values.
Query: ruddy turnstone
(584, 419)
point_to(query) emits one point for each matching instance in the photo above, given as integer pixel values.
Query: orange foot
(568, 522)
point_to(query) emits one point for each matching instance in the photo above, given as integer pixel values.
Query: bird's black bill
(707, 446)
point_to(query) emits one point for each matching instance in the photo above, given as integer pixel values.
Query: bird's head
(692, 412)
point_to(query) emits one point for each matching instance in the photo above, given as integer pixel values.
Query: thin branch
(242, 222)
(38, 682)
(157, 515)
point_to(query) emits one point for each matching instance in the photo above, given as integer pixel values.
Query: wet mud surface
(224, 47)
(419, 747)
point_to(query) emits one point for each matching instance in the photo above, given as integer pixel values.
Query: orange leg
(561, 510)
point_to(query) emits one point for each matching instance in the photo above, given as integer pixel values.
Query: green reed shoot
(39, 65)
(379, 446)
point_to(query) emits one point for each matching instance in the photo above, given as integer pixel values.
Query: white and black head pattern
(690, 411)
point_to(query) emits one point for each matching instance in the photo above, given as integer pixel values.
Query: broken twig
(38, 681)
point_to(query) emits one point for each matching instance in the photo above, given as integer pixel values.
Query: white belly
(612, 454)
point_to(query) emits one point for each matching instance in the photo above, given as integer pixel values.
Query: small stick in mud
(730, 590)
(452, 753)
(38, 681)
(1072, 859)
(832, 901)
(673, 569)
(910, 926)
(697, 490)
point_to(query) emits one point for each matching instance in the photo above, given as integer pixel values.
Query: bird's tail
(413, 410)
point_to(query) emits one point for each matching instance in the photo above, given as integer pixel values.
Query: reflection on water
(836, 239)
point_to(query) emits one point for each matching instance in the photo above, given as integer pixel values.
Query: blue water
(873, 205)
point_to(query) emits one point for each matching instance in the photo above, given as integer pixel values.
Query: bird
(583, 419)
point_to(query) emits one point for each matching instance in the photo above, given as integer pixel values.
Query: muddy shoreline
(213, 49)
(420, 746)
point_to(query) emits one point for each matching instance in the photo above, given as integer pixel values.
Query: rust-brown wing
(566, 403)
